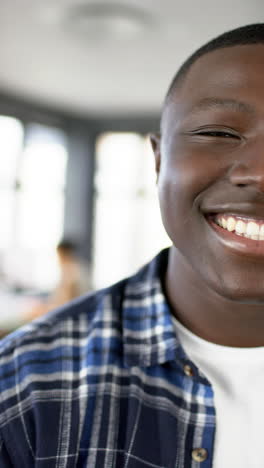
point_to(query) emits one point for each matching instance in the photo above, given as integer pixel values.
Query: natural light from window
(32, 202)
(128, 230)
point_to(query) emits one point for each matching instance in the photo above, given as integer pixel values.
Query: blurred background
(81, 86)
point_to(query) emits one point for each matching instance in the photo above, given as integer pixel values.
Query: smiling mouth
(240, 225)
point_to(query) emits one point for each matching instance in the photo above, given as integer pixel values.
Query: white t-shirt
(237, 377)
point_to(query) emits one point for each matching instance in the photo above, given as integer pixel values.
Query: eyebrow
(230, 104)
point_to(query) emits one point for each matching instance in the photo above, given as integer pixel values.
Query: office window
(31, 201)
(128, 230)
(11, 141)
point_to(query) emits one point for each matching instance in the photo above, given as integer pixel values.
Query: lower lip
(239, 244)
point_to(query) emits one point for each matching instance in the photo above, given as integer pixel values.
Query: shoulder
(57, 342)
(82, 314)
(88, 312)
(91, 324)
(64, 369)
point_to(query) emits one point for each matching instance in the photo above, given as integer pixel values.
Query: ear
(155, 143)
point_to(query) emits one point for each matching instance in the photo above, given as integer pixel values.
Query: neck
(206, 313)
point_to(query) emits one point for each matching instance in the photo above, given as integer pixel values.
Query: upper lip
(248, 210)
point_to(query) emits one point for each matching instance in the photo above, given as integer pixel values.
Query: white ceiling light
(107, 21)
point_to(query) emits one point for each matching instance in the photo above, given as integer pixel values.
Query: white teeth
(231, 224)
(252, 229)
(241, 227)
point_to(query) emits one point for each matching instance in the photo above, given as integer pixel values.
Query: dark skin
(210, 159)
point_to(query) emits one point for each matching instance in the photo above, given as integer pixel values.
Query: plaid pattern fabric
(101, 383)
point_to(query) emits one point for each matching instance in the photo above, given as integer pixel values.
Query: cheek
(182, 179)
(186, 172)
(182, 182)
(177, 188)
(191, 168)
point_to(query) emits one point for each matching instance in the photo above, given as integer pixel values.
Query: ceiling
(106, 58)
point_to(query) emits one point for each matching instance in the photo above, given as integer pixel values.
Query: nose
(248, 170)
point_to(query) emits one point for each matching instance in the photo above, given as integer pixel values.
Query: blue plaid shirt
(104, 382)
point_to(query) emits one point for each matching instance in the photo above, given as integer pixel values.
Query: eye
(217, 134)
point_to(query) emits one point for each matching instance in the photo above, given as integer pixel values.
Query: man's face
(210, 164)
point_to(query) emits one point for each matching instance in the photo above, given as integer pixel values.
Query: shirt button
(188, 370)
(199, 454)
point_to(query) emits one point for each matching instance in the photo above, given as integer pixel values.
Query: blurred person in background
(166, 367)
(74, 281)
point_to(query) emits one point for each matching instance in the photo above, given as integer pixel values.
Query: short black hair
(244, 35)
(67, 245)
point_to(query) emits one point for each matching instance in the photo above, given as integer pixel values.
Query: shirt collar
(148, 330)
